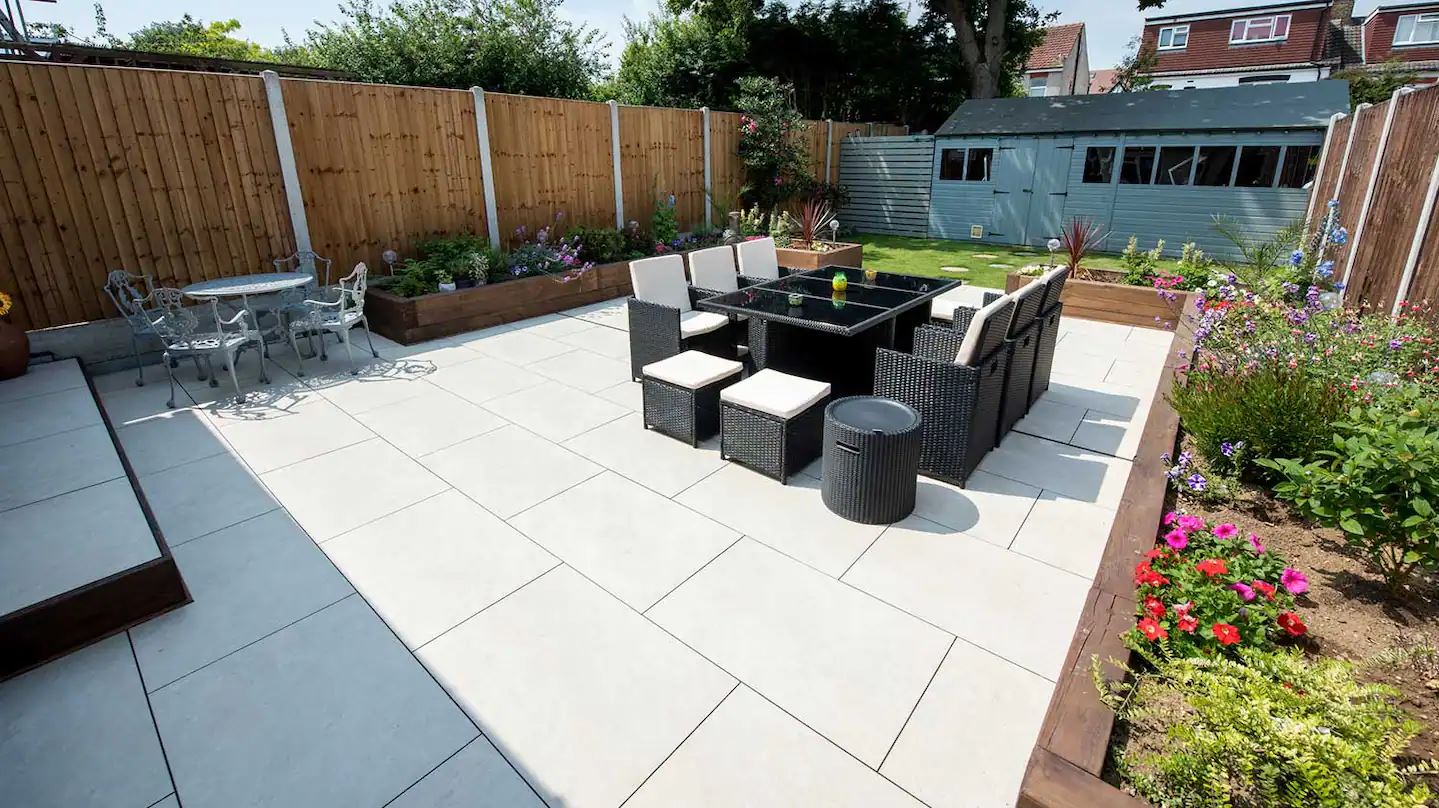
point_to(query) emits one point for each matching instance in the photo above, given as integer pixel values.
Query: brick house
(1060, 64)
(1407, 32)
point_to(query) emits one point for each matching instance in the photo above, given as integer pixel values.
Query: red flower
(1212, 567)
(1144, 575)
(1153, 607)
(1151, 629)
(1290, 622)
(1267, 589)
(1188, 623)
(1225, 633)
(1154, 553)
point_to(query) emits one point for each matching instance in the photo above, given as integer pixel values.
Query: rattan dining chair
(336, 317)
(184, 334)
(758, 259)
(1050, 310)
(663, 319)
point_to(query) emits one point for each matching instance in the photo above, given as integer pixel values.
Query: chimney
(1341, 12)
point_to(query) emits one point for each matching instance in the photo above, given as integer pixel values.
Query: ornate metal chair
(290, 303)
(336, 317)
(180, 329)
(306, 261)
(138, 311)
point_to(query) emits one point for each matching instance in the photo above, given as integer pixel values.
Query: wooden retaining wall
(182, 176)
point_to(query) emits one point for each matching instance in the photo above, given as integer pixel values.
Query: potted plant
(445, 280)
(14, 343)
(804, 246)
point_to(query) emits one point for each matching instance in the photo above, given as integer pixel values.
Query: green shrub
(1140, 266)
(601, 245)
(781, 228)
(1268, 730)
(1378, 483)
(664, 224)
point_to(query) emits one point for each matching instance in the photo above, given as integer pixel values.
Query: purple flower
(1340, 236)
(1395, 344)
(1164, 458)
(1296, 258)
(1256, 544)
(1185, 458)
(1325, 269)
(1196, 482)
(1246, 592)
(1311, 338)
(1228, 449)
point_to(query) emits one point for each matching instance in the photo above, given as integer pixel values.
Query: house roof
(1100, 81)
(1245, 11)
(1246, 107)
(1058, 42)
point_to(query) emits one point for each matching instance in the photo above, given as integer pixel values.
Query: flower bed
(1113, 302)
(840, 254)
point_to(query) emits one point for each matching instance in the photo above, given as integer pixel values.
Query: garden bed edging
(844, 254)
(1113, 302)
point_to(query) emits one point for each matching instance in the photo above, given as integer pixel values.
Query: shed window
(966, 164)
(1174, 38)
(980, 161)
(1138, 167)
(951, 164)
(1214, 165)
(1300, 165)
(1259, 29)
(1175, 163)
(1258, 166)
(1099, 164)
(1417, 29)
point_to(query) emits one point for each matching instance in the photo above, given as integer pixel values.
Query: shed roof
(1253, 106)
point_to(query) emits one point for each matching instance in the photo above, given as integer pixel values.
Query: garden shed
(1157, 165)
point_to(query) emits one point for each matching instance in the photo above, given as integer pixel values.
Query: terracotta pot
(14, 350)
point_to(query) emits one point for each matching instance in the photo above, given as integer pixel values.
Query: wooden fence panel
(726, 169)
(814, 137)
(1399, 191)
(1425, 286)
(1328, 178)
(382, 166)
(662, 152)
(155, 172)
(550, 156)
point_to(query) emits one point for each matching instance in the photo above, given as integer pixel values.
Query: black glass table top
(889, 280)
(883, 297)
(808, 299)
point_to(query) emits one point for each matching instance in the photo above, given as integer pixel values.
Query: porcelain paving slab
(561, 666)
(173, 438)
(650, 458)
(1016, 607)
(509, 469)
(476, 777)
(56, 464)
(517, 347)
(77, 732)
(1052, 419)
(484, 378)
(633, 542)
(127, 405)
(1079, 473)
(51, 377)
(429, 422)
(204, 496)
(436, 353)
(1065, 533)
(626, 394)
(555, 411)
(1080, 366)
(331, 711)
(383, 382)
(1123, 402)
(553, 326)
(46, 414)
(751, 753)
(583, 370)
(980, 710)
(433, 565)
(55, 545)
(839, 660)
(612, 313)
(1109, 434)
(324, 496)
(610, 342)
(247, 580)
(988, 507)
(310, 430)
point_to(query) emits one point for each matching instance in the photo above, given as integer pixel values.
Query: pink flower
(1170, 518)
(1177, 539)
(1294, 581)
(1188, 522)
(1226, 531)
(1244, 591)
(1256, 543)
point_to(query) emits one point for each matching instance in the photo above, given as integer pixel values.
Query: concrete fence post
(1421, 232)
(709, 179)
(1373, 182)
(487, 171)
(615, 156)
(289, 174)
(1348, 149)
(1323, 160)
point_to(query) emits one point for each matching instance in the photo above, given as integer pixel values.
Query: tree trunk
(982, 83)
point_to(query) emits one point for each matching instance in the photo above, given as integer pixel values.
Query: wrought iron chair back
(306, 261)
(120, 287)
(335, 316)
(200, 332)
(352, 291)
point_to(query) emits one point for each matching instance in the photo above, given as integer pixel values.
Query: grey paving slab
(582, 369)
(77, 732)
(655, 460)
(204, 496)
(476, 777)
(581, 693)
(988, 507)
(56, 464)
(311, 429)
(50, 377)
(841, 661)
(247, 580)
(484, 378)
(610, 342)
(1078, 473)
(47, 414)
(170, 439)
(516, 347)
(1065, 533)
(331, 711)
(58, 544)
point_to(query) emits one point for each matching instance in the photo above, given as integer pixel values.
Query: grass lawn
(985, 264)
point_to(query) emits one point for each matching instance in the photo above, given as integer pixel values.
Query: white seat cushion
(943, 308)
(778, 394)
(692, 369)
(661, 280)
(757, 258)
(694, 323)
(713, 268)
(968, 353)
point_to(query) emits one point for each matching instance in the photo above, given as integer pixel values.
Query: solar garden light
(1054, 244)
(834, 230)
(390, 257)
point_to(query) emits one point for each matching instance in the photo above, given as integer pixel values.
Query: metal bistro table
(246, 287)
(832, 336)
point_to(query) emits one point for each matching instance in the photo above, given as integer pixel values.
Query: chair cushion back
(757, 258)
(713, 268)
(1053, 281)
(986, 331)
(661, 280)
(1027, 302)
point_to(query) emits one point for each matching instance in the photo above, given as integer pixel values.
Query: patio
(468, 576)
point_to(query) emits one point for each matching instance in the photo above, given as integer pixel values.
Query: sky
(1110, 23)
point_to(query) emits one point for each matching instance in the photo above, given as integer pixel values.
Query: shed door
(1013, 189)
(1051, 188)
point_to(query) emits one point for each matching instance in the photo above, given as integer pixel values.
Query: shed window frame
(1147, 178)
(1108, 167)
(1308, 175)
(1176, 33)
(1416, 22)
(1239, 29)
(965, 159)
(1276, 167)
(1188, 174)
(1199, 155)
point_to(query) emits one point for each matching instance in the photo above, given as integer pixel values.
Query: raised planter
(408, 320)
(1113, 302)
(842, 255)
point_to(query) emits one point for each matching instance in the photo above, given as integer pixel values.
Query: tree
(517, 46)
(1369, 86)
(194, 37)
(772, 155)
(994, 39)
(1134, 71)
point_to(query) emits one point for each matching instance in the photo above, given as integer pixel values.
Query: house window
(1300, 165)
(1214, 165)
(1175, 163)
(1258, 166)
(1038, 85)
(1175, 38)
(966, 164)
(1272, 78)
(1138, 166)
(1099, 164)
(1417, 29)
(1259, 29)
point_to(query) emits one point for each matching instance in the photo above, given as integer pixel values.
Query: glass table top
(808, 299)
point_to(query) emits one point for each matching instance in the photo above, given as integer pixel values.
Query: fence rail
(1382, 164)
(181, 175)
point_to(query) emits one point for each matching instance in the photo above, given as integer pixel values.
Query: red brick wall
(1379, 38)
(1209, 46)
